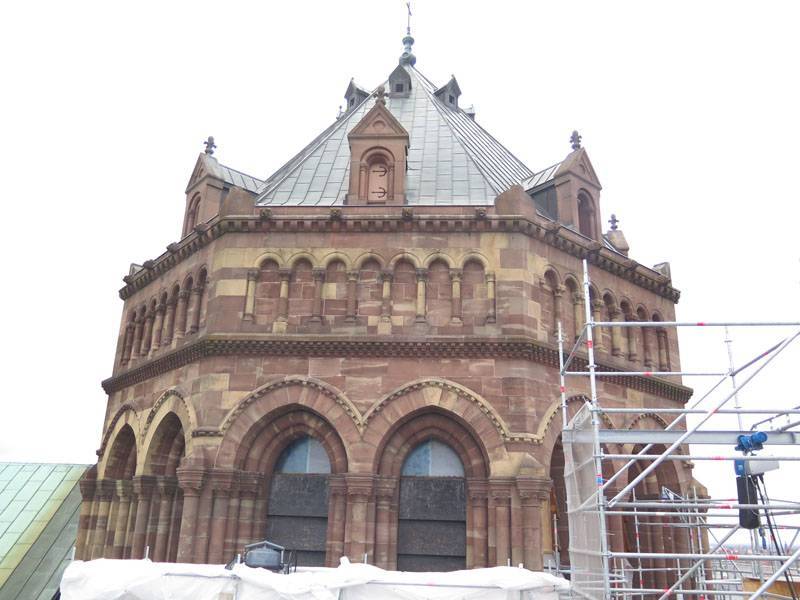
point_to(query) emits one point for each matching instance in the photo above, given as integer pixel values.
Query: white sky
(689, 111)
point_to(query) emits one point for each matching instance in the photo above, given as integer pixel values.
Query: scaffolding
(603, 487)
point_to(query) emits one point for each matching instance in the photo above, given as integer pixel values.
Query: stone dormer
(399, 83)
(449, 93)
(378, 149)
(354, 95)
(578, 194)
(209, 186)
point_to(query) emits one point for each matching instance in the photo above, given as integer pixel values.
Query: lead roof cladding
(451, 159)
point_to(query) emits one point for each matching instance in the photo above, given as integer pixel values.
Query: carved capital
(533, 490)
(360, 488)
(490, 277)
(252, 275)
(477, 489)
(191, 479)
(143, 485)
(597, 304)
(385, 488)
(386, 275)
(124, 489)
(422, 274)
(167, 486)
(352, 276)
(455, 274)
(87, 487)
(183, 294)
(285, 274)
(160, 308)
(223, 480)
(318, 274)
(577, 298)
(250, 482)
(337, 485)
(105, 489)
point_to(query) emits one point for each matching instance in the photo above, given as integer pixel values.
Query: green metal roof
(39, 508)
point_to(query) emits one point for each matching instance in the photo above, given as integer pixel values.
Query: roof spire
(575, 140)
(407, 57)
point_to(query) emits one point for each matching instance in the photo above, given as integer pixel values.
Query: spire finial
(613, 221)
(407, 57)
(380, 95)
(575, 140)
(210, 145)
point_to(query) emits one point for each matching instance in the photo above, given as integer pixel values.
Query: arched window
(379, 180)
(586, 214)
(192, 214)
(297, 511)
(432, 516)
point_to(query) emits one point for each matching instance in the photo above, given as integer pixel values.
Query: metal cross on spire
(575, 140)
(408, 27)
(614, 221)
(408, 58)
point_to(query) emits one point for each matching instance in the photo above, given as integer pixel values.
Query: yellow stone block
(231, 287)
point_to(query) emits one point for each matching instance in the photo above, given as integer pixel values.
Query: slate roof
(234, 177)
(39, 508)
(540, 178)
(451, 159)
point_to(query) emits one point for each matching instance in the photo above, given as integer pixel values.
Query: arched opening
(167, 449)
(475, 299)
(122, 456)
(432, 516)
(586, 216)
(379, 179)
(558, 507)
(267, 296)
(192, 215)
(438, 294)
(297, 506)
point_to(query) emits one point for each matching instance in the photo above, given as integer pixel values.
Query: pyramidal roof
(451, 159)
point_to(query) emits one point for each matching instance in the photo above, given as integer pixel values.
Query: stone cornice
(550, 233)
(515, 347)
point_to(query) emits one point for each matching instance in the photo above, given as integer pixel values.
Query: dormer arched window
(586, 216)
(192, 214)
(378, 176)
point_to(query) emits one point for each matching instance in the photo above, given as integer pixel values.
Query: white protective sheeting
(144, 580)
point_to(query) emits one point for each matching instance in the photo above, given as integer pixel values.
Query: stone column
(597, 315)
(359, 494)
(229, 548)
(578, 312)
(127, 344)
(633, 354)
(558, 311)
(124, 495)
(352, 292)
(477, 534)
(385, 491)
(248, 486)
(533, 494)
(158, 324)
(316, 306)
(221, 483)
(143, 487)
(169, 322)
(500, 505)
(283, 298)
(491, 317)
(386, 295)
(616, 332)
(455, 296)
(103, 495)
(191, 482)
(647, 346)
(137, 337)
(167, 488)
(337, 508)
(180, 316)
(422, 277)
(87, 487)
(194, 309)
(147, 336)
(250, 295)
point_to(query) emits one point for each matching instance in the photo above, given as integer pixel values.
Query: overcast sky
(689, 111)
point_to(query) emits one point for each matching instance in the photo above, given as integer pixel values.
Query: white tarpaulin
(144, 580)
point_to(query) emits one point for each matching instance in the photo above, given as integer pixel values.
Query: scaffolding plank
(658, 436)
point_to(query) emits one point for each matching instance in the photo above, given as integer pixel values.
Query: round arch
(125, 416)
(434, 256)
(407, 256)
(366, 256)
(474, 256)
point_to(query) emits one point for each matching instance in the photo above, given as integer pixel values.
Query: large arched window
(432, 525)
(297, 511)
